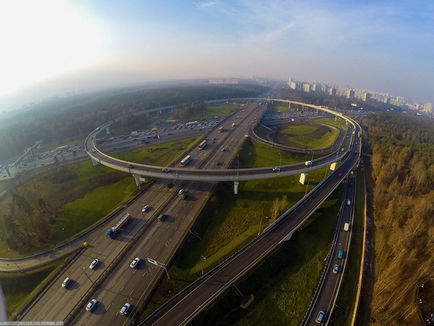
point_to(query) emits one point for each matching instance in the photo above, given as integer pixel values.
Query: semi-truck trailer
(111, 232)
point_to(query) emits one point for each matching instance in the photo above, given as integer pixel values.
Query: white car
(145, 208)
(94, 263)
(276, 169)
(91, 305)
(308, 163)
(181, 191)
(135, 262)
(66, 282)
(125, 308)
(348, 202)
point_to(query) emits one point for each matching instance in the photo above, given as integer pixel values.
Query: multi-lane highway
(162, 239)
(197, 296)
(327, 291)
(57, 303)
(146, 237)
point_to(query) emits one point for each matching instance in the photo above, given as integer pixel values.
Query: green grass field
(280, 108)
(284, 283)
(229, 220)
(18, 288)
(309, 135)
(339, 123)
(216, 111)
(91, 193)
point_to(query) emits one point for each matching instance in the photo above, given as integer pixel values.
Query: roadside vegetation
(283, 285)
(57, 204)
(280, 107)
(308, 135)
(229, 221)
(18, 288)
(3, 185)
(403, 177)
(339, 123)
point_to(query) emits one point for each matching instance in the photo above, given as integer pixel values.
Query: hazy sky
(56, 46)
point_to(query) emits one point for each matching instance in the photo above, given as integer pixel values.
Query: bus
(186, 160)
(202, 144)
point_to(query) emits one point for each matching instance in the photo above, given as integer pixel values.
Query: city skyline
(98, 45)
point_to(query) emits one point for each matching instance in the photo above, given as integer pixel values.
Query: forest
(403, 202)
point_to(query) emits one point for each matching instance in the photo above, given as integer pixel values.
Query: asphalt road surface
(196, 297)
(57, 303)
(328, 289)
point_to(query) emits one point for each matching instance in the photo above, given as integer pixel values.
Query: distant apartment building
(306, 87)
(332, 91)
(349, 93)
(427, 107)
(365, 96)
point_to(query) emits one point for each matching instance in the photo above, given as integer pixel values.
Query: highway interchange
(160, 241)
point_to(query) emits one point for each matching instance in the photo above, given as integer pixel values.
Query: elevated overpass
(215, 175)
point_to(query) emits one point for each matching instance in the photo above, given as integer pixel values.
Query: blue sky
(379, 45)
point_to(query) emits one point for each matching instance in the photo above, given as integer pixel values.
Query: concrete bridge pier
(303, 178)
(138, 179)
(333, 166)
(236, 184)
(288, 237)
(94, 162)
(107, 130)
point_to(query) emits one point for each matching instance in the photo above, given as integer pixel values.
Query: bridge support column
(236, 183)
(94, 162)
(333, 166)
(303, 178)
(288, 237)
(138, 179)
(107, 130)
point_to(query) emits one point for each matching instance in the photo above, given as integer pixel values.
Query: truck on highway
(111, 232)
(346, 227)
(186, 160)
(203, 144)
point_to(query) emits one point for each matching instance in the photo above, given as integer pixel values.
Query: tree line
(403, 202)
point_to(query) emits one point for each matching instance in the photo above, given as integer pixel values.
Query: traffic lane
(53, 301)
(204, 292)
(124, 287)
(326, 293)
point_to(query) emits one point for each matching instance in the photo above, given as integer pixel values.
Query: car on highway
(162, 217)
(219, 163)
(346, 227)
(348, 202)
(66, 283)
(308, 163)
(146, 208)
(125, 309)
(320, 318)
(336, 269)
(94, 263)
(181, 191)
(276, 169)
(135, 262)
(340, 254)
(165, 170)
(91, 304)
